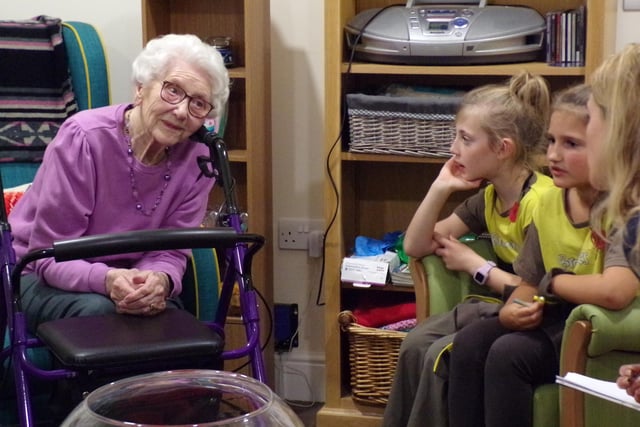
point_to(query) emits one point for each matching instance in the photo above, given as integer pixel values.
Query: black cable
(343, 122)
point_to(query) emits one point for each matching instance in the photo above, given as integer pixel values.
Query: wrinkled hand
(451, 175)
(456, 255)
(521, 318)
(629, 380)
(141, 292)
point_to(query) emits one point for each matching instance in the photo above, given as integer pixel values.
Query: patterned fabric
(33, 103)
(402, 325)
(12, 195)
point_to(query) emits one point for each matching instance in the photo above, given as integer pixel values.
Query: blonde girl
(613, 140)
(500, 130)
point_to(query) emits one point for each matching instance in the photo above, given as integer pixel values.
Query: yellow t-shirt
(554, 242)
(507, 236)
(571, 247)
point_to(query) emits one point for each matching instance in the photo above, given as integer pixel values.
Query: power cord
(343, 122)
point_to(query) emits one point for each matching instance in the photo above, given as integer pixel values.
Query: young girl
(562, 260)
(613, 144)
(499, 131)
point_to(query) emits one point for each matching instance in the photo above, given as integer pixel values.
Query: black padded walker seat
(120, 339)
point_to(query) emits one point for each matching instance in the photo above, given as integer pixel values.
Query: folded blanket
(36, 95)
(375, 317)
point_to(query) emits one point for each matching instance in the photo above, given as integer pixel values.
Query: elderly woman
(120, 168)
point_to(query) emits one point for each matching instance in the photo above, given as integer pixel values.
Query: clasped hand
(521, 317)
(456, 255)
(629, 380)
(141, 292)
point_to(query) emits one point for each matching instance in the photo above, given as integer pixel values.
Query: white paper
(604, 389)
(360, 270)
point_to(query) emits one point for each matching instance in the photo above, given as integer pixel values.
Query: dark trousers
(494, 372)
(42, 302)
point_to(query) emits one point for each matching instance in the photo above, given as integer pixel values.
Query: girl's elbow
(413, 249)
(618, 301)
(413, 252)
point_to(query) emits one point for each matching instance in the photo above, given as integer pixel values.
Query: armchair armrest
(592, 331)
(611, 329)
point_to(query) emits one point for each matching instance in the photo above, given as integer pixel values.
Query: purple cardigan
(83, 188)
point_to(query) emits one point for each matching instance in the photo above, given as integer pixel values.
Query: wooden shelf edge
(349, 414)
(389, 158)
(238, 156)
(389, 287)
(454, 70)
(237, 72)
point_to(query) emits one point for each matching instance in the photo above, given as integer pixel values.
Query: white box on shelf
(372, 270)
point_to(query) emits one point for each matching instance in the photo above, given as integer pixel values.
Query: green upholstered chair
(596, 342)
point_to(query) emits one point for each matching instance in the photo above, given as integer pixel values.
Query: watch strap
(482, 274)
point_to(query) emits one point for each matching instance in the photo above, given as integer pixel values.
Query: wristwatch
(482, 274)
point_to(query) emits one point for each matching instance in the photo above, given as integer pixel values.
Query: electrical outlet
(631, 4)
(293, 233)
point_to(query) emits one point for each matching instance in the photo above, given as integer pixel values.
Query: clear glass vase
(194, 398)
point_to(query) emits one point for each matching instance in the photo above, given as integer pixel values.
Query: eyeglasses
(174, 94)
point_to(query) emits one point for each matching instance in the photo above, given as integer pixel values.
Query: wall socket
(631, 5)
(296, 233)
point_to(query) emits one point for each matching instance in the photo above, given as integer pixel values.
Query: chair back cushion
(87, 64)
(201, 284)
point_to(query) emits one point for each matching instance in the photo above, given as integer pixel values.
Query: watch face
(479, 277)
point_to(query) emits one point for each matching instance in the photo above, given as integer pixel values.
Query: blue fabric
(87, 64)
(18, 173)
(366, 246)
(200, 287)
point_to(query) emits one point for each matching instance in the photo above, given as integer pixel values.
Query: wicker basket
(373, 355)
(406, 125)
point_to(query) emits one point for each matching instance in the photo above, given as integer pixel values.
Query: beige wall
(627, 26)
(118, 22)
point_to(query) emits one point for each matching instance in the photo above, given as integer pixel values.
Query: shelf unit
(248, 129)
(374, 193)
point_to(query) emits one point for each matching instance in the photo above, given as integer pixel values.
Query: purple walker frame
(237, 252)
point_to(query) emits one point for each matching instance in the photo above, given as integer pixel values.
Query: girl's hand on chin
(452, 173)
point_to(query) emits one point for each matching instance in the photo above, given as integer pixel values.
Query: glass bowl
(194, 398)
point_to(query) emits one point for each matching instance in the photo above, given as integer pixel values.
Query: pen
(536, 298)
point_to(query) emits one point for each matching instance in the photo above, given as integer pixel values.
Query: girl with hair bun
(500, 134)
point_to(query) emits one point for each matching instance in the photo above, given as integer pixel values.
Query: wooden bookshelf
(376, 193)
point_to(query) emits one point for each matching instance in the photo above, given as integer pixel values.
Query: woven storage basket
(406, 125)
(373, 355)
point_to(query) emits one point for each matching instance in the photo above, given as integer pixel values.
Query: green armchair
(596, 342)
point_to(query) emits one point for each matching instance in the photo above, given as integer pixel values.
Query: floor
(306, 411)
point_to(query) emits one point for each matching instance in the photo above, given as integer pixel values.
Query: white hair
(161, 52)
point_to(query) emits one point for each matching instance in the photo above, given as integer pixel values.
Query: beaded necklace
(132, 177)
